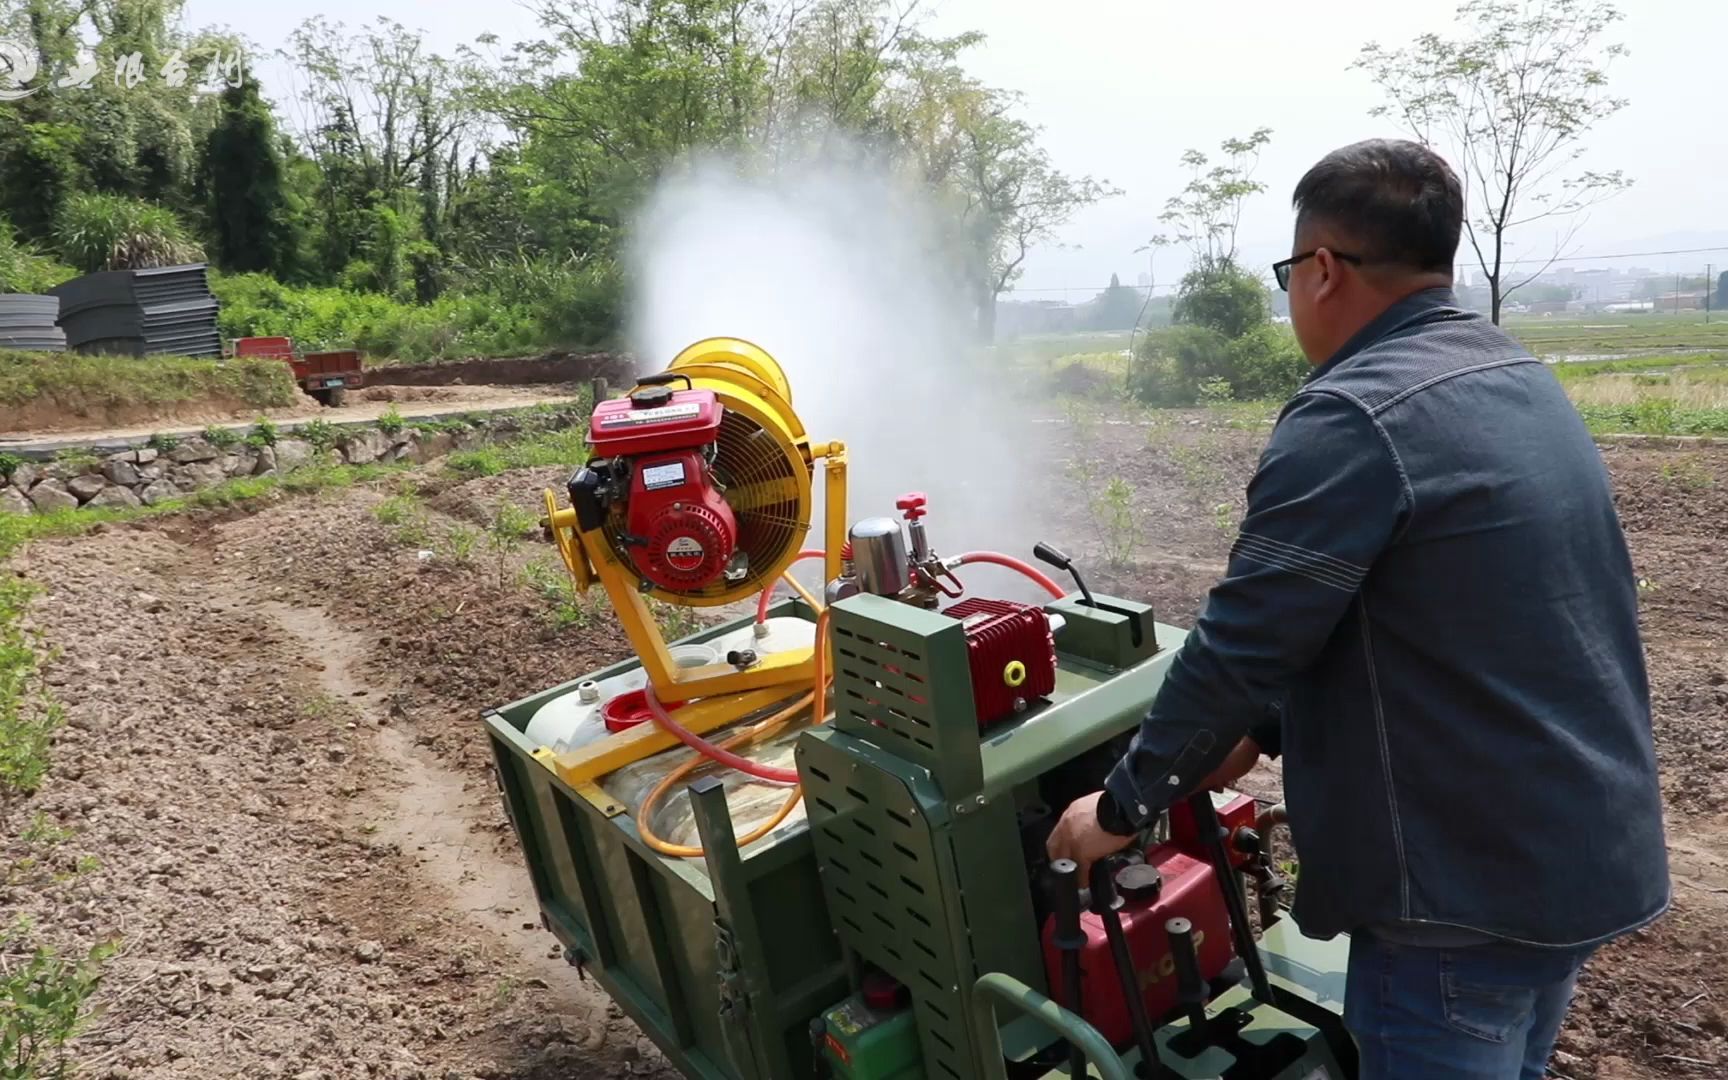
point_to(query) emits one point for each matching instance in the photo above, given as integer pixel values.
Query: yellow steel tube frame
(726, 694)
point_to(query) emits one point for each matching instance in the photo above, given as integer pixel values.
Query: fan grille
(761, 482)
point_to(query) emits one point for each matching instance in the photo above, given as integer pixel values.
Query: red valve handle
(912, 504)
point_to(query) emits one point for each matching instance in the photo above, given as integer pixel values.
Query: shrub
(263, 433)
(320, 433)
(221, 437)
(511, 307)
(111, 232)
(45, 1000)
(1185, 364)
(1223, 297)
(1169, 365)
(390, 422)
(23, 269)
(1266, 363)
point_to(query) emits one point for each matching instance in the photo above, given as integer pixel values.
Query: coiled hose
(817, 699)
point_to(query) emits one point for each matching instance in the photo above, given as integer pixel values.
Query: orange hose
(996, 558)
(817, 698)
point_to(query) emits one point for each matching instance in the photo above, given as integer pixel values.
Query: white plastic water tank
(573, 720)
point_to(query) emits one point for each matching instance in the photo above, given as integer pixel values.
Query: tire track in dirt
(423, 807)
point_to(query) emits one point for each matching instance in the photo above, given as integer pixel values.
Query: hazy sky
(1121, 87)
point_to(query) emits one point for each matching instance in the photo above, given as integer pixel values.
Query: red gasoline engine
(680, 531)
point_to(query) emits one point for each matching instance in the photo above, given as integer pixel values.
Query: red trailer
(327, 376)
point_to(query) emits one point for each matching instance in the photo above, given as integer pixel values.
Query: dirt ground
(367, 404)
(274, 759)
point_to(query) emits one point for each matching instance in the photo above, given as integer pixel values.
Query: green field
(1599, 334)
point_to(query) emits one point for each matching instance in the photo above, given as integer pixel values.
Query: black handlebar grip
(1065, 901)
(1054, 556)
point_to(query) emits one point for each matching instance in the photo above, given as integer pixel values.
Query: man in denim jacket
(1432, 581)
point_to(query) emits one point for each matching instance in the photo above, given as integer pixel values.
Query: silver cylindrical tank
(879, 553)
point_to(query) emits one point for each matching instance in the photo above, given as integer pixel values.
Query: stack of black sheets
(168, 311)
(31, 323)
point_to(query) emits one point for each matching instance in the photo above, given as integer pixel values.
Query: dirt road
(274, 789)
(362, 405)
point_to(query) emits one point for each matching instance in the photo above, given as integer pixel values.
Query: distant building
(1682, 301)
(1548, 307)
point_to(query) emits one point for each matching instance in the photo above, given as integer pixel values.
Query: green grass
(1048, 348)
(1700, 365)
(28, 717)
(75, 381)
(565, 447)
(1618, 333)
(1653, 416)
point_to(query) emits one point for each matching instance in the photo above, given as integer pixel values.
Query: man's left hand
(1078, 836)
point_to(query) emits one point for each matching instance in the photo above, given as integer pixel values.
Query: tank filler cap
(651, 397)
(883, 992)
(1139, 881)
(588, 692)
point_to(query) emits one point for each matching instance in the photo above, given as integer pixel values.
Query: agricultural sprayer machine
(810, 842)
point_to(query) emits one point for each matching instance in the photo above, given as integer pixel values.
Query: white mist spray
(835, 269)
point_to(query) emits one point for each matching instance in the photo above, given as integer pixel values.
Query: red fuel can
(1186, 887)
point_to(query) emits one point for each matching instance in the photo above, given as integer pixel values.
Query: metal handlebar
(1029, 1002)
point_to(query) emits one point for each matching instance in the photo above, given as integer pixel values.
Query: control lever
(1107, 905)
(1055, 557)
(1190, 988)
(1065, 898)
(1211, 834)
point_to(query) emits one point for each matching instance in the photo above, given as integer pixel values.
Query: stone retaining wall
(146, 475)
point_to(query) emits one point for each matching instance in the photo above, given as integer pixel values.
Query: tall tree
(1511, 99)
(1000, 186)
(383, 118)
(1206, 214)
(241, 177)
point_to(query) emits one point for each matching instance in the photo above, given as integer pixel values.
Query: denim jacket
(1432, 580)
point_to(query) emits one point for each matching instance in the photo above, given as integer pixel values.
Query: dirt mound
(64, 417)
(408, 393)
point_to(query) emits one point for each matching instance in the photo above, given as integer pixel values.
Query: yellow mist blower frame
(752, 388)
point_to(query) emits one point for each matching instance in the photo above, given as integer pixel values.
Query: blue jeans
(1483, 1012)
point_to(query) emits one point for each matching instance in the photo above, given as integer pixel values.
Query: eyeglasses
(1281, 270)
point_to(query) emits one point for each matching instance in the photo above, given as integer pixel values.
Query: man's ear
(1330, 269)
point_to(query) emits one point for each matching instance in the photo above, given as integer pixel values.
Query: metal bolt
(979, 801)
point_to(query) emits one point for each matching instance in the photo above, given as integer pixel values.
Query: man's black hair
(1396, 200)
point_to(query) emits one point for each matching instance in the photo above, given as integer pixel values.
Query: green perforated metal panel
(899, 673)
(884, 878)
(921, 871)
